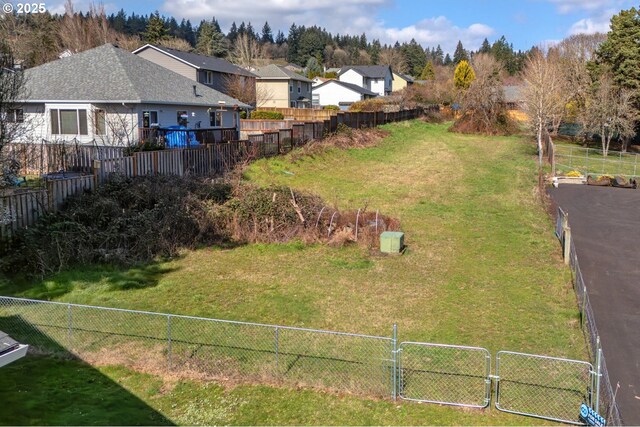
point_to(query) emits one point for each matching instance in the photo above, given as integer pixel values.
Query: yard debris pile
(344, 138)
(136, 220)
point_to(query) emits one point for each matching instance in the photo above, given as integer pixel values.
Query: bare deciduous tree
(241, 88)
(609, 112)
(394, 58)
(247, 51)
(544, 94)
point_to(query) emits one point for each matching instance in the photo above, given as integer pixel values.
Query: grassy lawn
(482, 268)
(43, 391)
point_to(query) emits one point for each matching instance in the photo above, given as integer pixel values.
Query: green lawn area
(482, 268)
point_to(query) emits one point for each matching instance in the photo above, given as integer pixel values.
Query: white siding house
(108, 95)
(376, 78)
(334, 92)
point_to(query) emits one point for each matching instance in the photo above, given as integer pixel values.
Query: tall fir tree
(428, 72)
(463, 75)
(156, 30)
(438, 56)
(486, 47)
(447, 60)
(232, 35)
(460, 54)
(267, 34)
(280, 38)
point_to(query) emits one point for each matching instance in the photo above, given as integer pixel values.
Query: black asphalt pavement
(605, 228)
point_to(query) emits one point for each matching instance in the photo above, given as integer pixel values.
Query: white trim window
(149, 118)
(69, 122)
(208, 77)
(15, 115)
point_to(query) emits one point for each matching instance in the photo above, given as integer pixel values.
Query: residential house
(317, 81)
(342, 94)
(108, 95)
(401, 81)
(282, 88)
(376, 78)
(216, 73)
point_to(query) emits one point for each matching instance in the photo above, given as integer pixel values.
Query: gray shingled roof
(201, 61)
(273, 71)
(406, 77)
(370, 71)
(355, 88)
(110, 74)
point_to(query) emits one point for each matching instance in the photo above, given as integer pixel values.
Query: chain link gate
(444, 374)
(552, 388)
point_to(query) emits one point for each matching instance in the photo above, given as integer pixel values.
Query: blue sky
(524, 22)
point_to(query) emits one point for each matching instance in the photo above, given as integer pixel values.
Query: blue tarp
(179, 137)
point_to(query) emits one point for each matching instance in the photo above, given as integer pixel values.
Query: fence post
(277, 349)
(69, 323)
(169, 359)
(394, 392)
(598, 373)
(567, 239)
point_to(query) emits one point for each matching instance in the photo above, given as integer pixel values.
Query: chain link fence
(335, 361)
(605, 402)
(540, 386)
(445, 374)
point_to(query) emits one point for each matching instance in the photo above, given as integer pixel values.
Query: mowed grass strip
(482, 266)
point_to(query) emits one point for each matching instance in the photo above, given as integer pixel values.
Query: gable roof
(273, 71)
(404, 77)
(370, 71)
(350, 86)
(110, 74)
(198, 61)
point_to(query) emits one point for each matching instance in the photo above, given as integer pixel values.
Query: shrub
(267, 115)
(368, 105)
(331, 107)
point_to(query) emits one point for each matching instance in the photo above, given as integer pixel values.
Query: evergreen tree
(250, 32)
(156, 30)
(313, 68)
(211, 42)
(280, 38)
(460, 54)
(267, 35)
(293, 42)
(232, 35)
(172, 27)
(463, 75)
(374, 51)
(486, 47)
(438, 56)
(242, 28)
(447, 60)
(428, 73)
(621, 51)
(119, 21)
(216, 25)
(414, 57)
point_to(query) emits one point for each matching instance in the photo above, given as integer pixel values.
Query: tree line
(37, 39)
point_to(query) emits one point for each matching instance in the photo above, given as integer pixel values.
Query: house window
(208, 77)
(69, 122)
(293, 104)
(290, 88)
(299, 86)
(100, 121)
(149, 118)
(183, 117)
(215, 118)
(15, 116)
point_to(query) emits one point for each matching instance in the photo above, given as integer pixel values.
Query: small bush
(331, 107)
(267, 115)
(368, 106)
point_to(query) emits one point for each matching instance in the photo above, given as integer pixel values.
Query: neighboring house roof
(370, 71)
(293, 67)
(110, 74)
(333, 70)
(350, 86)
(273, 71)
(512, 93)
(198, 61)
(404, 77)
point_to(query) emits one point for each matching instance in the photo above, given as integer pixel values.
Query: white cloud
(80, 6)
(595, 24)
(569, 6)
(345, 17)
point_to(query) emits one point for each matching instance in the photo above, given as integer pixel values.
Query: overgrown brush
(132, 221)
(344, 138)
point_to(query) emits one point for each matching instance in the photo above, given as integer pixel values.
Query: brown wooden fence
(304, 114)
(49, 157)
(22, 208)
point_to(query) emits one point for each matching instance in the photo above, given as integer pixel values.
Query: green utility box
(392, 242)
